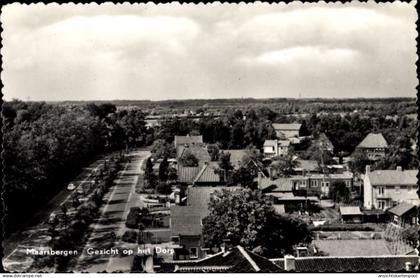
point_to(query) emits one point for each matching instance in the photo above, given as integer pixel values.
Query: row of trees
(46, 145)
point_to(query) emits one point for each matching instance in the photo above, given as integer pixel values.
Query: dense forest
(47, 144)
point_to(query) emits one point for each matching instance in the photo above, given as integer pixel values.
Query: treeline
(46, 145)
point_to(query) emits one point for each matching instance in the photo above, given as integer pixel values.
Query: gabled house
(276, 147)
(186, 223)
(287, 130)
(374, 146)
(304, 166)
(384, 189)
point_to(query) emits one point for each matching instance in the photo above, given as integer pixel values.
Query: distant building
(404, 214)
(287, 130)
(319, 184)
(276, 147)
(374, 146)
(186, 223)
(188, 140)
(384, 189)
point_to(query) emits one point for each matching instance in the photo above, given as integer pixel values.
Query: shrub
(133, 218)
(164, 188)
(344, 227)
(130, 236)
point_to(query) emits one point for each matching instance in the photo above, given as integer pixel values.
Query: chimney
(367, 169)
(289, 263)
(399, 168)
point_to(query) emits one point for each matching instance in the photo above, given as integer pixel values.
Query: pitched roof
(199, 151)
(327, 144)
(187, 174)
(351, 264)
(278, 126)
(284, 143)
(393, 177)
(401, 209)
(207, 173)
(269, 143)
(182, 140)
(186, 220)
(235, 260)
(373, 140)
(280, 184)
(351, 210)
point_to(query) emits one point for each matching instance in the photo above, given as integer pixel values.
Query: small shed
(404, 214)
(351, 214)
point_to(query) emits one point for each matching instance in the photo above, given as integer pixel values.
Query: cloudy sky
(173, 51)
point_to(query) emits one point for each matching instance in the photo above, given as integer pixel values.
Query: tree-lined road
(117, 203)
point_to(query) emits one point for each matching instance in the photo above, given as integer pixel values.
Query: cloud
(152, 51)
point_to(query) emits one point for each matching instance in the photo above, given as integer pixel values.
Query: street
(117, 203)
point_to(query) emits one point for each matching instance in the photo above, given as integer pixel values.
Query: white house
(384, 189)
(276, 148)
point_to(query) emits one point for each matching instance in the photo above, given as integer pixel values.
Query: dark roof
(286, 126)
(236, 260)
(373, 140)
(182, 140)
(393, 177)
(401, 209)
(351, 264)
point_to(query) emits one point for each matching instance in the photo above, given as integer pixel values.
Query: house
(241, 158)
(351, 214)
(374, 146)
(376, 263)
(319, 184)
(202, 175)
(186, 223)
(276, 147)
(234, 260)
(384, 189)
(404, 214)
(187, 140)
(287, 130)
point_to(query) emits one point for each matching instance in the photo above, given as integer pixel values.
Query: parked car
(71, 186)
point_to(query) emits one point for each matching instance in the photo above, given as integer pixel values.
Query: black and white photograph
(210, 138)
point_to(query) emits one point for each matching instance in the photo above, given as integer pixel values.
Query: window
(381, 190)
(381, 204)
(193, 252)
